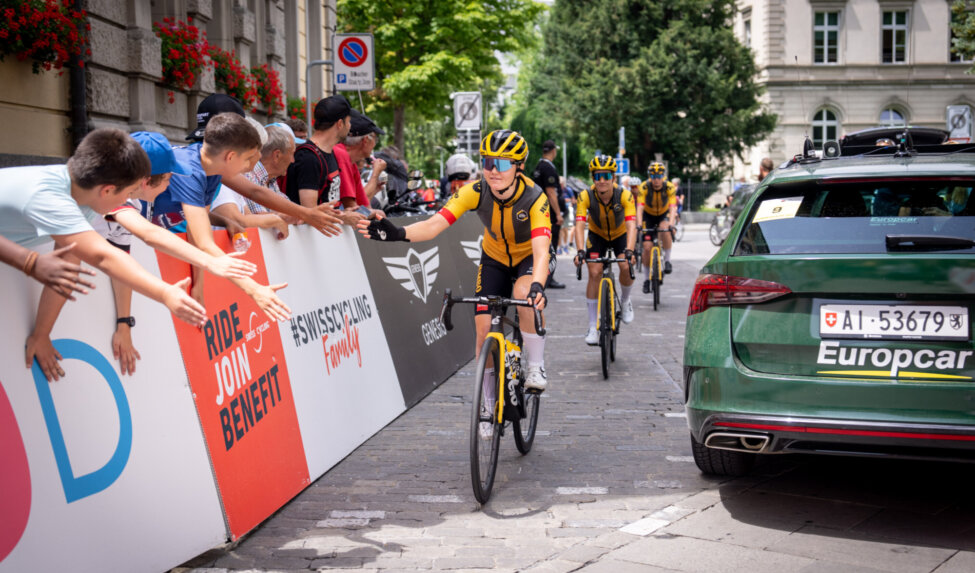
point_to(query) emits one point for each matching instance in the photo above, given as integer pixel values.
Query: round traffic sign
(352, 52)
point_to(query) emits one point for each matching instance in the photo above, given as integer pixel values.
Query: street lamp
(441, 159)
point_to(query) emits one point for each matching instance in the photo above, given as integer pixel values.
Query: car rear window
(872, 216)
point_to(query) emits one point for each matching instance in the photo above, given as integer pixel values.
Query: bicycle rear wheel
(524, 429)
(679, 230)
(484, 449)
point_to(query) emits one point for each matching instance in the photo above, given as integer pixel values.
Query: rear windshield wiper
(927, 242)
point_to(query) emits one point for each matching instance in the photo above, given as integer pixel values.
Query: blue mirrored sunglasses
(656, 177)
(489, 163)
(602, 176)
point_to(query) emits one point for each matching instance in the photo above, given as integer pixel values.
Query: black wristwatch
(126, 320)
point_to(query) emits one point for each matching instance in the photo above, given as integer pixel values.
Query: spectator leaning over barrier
(358, 146)
(230, 146)
(460, 170)
(299, 128)
(118, 226)
(50, 269)
(276, 155)
(322, 219)
(235, 207)
(314, 178)
(58, 201)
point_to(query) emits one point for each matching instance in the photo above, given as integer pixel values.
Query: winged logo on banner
(473, 249)
(416, 272)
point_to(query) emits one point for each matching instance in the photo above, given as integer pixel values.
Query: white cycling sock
(667, 255)
(534, 350)
(625, 292)
(488, 384)
(646, 267)
(591, 302)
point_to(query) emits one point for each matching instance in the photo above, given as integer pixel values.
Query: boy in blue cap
(118, 227)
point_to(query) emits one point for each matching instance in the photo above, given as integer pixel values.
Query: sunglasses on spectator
(602, 176)
(489, 163)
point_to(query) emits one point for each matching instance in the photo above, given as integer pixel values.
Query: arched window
(892, 117)
(824, 127)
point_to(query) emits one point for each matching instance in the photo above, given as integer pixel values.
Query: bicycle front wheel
(655, 274)
(486, 439)
(679, 231)
(715, 234)
(524, 429)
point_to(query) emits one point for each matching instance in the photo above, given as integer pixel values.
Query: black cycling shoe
(646, 286)
(552, 283)
(667, 268)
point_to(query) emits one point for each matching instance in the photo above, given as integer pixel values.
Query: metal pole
(565, 164)
(311, 64)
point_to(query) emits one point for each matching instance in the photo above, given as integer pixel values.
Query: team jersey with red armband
(509, 227)
(608, 220)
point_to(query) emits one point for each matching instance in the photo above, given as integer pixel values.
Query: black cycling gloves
(384, 230)
(630, 256)
(535, 290)
(580, 256)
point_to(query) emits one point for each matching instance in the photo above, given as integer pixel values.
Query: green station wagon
(836, 318)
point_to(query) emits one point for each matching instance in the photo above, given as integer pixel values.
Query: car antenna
(807, 144)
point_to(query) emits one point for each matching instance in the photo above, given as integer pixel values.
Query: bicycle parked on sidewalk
(656, 264)
(499, 396)
(607, 308)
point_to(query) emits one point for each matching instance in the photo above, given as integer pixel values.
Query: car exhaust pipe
(754, 443)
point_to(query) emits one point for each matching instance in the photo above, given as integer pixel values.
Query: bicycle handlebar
(491, 301)
(605, 260)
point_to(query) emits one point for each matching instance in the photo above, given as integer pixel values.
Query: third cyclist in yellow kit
(656, 207)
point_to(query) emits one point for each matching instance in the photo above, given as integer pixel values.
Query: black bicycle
(608, 309)
(656, 264)
(500, 396)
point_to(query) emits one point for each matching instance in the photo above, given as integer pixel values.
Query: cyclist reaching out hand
(517, 238)
(611, 213)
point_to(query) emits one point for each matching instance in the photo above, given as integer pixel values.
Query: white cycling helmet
(459, 164)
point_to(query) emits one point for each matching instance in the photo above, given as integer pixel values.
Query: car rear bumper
(788, 434)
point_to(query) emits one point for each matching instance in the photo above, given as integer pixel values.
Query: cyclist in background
(517, 238)
(658, 198)
(611, 214)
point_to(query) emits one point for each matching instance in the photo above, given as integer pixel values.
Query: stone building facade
(832, 67)
(122, 76)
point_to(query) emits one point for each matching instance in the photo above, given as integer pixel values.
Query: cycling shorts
(649, 222)
(497, 279)
(597, 246)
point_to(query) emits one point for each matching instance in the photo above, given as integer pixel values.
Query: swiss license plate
(901, 321)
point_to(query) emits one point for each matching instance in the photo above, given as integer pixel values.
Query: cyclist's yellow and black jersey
(608, 220)
(509, 227)
(657, 202)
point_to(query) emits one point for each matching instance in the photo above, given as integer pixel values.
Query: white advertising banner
(99, 471)
(343, 379)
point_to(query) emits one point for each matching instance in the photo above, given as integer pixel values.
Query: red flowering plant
(231, 76)
(184, 49)
(267, 84)
(296, 108)
(52, 33)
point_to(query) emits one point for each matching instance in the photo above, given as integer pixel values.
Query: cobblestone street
(610, 484)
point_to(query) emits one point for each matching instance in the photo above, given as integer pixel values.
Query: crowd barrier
(220, 426)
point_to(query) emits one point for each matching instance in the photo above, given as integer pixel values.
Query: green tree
(427, 49)
(963, 30)
(672, 73)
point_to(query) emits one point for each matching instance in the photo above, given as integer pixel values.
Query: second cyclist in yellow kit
(610, 212)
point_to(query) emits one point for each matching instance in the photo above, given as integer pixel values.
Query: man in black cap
(547, 177)
(314, 178)
(358, 147)
(323, 221)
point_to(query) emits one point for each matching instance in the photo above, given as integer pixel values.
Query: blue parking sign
(341, 79)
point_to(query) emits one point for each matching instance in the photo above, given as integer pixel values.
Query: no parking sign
(354, 65)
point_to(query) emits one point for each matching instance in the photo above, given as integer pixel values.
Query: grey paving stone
(702, 556)
(961, 562)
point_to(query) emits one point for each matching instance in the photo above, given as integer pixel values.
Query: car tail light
(717, 290)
